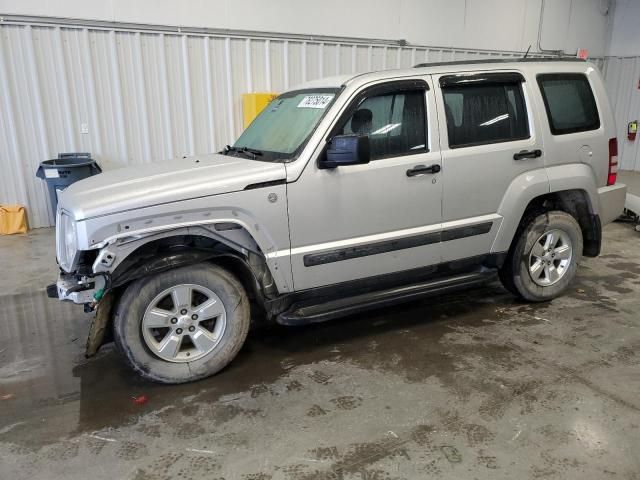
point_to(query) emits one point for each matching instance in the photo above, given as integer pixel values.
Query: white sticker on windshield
(315, 101)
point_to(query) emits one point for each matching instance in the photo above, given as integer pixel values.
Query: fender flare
(522, 190)
(575, 176)
(540, 182)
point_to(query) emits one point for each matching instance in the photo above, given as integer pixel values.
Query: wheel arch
(184, 249)
(568, 187)
(174, 251)
(575, 202)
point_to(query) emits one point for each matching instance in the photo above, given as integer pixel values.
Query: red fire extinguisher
(632, 130)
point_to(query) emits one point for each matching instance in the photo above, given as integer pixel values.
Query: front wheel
(544, 258)
(183, 324)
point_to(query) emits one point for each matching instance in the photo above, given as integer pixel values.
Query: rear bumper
(611, 201)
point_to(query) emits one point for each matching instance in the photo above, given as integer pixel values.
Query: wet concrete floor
(469, 385)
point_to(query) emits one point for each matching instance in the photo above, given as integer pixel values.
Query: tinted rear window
(485, 113)
(569, 101)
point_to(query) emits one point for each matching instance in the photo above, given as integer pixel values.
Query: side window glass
(454, 105)
(479, 114)
(570, 104)
(395, 123)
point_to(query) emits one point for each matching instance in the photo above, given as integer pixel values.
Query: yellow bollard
(253, 104)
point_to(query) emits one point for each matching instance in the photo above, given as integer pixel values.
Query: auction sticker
(315, 101)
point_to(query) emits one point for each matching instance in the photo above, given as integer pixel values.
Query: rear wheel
(544, 258)
(183, 324)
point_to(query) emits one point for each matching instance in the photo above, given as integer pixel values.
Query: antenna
(527, 52)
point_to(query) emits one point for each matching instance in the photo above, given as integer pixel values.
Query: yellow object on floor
(253, 104)
(13, 219)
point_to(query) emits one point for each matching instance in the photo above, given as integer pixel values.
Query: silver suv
(346, 194)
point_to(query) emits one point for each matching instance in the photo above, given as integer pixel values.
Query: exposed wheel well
(177, 251)
(577, 204)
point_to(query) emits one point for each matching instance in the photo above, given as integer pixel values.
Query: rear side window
(569, 101)
(478, 114)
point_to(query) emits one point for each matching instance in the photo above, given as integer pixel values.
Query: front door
(362, 221)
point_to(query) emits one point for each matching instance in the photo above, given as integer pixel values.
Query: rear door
(489, 136)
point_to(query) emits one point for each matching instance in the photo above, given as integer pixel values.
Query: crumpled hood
(164, 182)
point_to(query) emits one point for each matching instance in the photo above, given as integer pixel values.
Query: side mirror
(347, 150)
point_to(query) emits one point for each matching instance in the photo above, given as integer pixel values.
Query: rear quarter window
(569, 101)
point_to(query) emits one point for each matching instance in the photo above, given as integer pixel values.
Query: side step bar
(302, 314)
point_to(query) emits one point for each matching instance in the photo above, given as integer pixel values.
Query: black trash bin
(61, 172)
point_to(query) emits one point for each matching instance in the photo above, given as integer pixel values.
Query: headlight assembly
(66, 239)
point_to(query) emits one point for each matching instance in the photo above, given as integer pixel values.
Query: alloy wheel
(184, 323)
(550, 257)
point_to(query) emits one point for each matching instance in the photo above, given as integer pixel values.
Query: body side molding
(374, 248)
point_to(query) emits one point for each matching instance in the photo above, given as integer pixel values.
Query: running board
(301, 314)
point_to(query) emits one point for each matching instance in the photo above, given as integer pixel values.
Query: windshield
(281, 130)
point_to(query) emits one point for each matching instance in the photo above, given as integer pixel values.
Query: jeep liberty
(349, 193)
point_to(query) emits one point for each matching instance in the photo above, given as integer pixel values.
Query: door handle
(422, 170)
(527, 154)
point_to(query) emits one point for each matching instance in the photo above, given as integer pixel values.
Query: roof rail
(500, 60)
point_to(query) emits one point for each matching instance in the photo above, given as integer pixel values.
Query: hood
(130, 188)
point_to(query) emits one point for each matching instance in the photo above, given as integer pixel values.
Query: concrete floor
(467, 386)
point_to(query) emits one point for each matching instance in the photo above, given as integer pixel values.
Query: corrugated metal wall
(151, 95)
(623, 84)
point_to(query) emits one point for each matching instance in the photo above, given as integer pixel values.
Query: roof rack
(500, 60)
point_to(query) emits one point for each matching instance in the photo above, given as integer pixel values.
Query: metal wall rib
(148, 95)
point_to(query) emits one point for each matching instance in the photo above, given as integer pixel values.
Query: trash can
(61, 172)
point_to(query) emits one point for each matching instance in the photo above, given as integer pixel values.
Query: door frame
(371, 243)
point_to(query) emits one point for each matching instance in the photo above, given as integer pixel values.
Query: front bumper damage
(79, 289)
(87, 291)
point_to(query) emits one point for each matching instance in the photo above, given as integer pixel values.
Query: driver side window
(395, 123)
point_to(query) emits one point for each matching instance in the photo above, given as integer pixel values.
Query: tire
(203, 299)
(528, 273)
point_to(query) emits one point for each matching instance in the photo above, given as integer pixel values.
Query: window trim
(472, 80)
(564, 76)
(382, 89)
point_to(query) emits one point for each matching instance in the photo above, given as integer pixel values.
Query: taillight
(613, 161)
